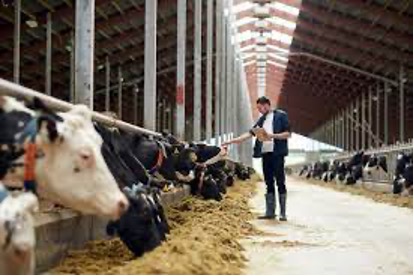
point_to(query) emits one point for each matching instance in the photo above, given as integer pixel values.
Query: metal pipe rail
(383, 150)
(11, 89)
(334, 63)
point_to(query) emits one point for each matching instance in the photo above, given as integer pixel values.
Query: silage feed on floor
(204, 239)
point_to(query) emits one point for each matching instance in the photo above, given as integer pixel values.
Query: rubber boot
(270, 207)
(282, 203)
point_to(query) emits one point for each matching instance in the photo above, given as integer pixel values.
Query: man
(272, 131)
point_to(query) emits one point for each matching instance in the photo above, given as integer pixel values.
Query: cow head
(71, 170)
(375, 163)
(371, 165)
(242, 171)
(143, 226)
(356, 159)
(185, 160)
(17, 235)
(210, 189)
(402, 161)
(205, 152)
(325, 166)
(208, 154)
(403, 178)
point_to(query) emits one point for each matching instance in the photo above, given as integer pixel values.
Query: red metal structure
(372, 36)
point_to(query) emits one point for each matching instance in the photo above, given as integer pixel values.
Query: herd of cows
(362, 166)
(68, 159)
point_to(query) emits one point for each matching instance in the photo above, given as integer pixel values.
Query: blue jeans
(274, 169)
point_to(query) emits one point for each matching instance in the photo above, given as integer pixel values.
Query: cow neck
(201, 181)
(160, 158)
(217, 157)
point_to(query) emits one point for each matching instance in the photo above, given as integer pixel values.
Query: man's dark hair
(263, 100)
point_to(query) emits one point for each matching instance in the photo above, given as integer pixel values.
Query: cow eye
(85, 156)
(76, 170)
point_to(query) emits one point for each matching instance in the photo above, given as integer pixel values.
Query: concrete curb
(58, 232)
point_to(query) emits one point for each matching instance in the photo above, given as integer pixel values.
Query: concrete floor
(330, 232)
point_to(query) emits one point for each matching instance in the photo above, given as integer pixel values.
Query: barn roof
(374, 36)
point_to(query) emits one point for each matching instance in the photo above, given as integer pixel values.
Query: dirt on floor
(384, 197)
(330, 233)
(204, 239)
(283, 243)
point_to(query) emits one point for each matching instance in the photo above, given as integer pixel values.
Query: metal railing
(390, 151)
(11, 89)
(8, 88)
(404, 147)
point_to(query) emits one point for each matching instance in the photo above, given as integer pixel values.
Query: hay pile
(204, 240)
(384, 197)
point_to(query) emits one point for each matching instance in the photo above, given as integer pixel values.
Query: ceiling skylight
(264, 44)
(285, 8)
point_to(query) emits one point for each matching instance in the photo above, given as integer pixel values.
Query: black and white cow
(317, 170)
(325, 170)
(376, 168)
(59, 156)
(124, 165)
(242, 171)
(304, 170)
(205, 185)
(144, 226)
(403, 175)
(170, 161)
(217, 170)
(340, 171)
(333, 170)
(355, 168)
(17, 232)
(376, 162)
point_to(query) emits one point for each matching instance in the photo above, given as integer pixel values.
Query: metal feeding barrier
(11, 89)
(390, 152)
(403, 147)
(8, 88)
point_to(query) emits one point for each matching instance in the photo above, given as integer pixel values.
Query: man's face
(263, 108)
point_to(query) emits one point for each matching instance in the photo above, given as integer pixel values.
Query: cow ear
(38, 105)
(47, 129)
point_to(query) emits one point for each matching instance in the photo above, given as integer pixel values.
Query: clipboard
(261, 134)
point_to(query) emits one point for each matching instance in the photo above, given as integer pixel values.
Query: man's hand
(281, 136)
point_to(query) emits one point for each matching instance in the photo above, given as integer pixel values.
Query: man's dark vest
(280, 124)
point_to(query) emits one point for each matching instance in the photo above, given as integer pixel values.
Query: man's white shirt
(268, 126)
